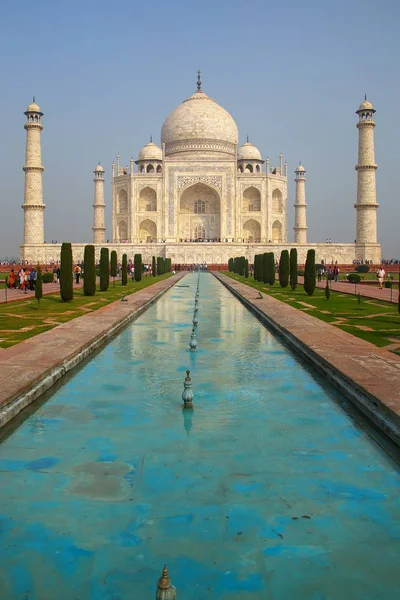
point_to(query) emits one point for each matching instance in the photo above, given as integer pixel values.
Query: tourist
(335, 273)
(11, 279)
(58, 274)
(319, 273)
(25, 281)
(55, 274)
(32, 280)
(77, 274)
(381, 276)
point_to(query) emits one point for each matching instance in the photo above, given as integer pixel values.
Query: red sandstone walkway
(13, 295)
(366, 290)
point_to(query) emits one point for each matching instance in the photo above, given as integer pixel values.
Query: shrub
(354, 278)
(327, 290)
(293, 268)
(271, 268)
(265, 267)
(300, 272)
(168, 265)
(246, 268)
(284, 269)
(38, 286)
(137, 263)
(124, 270)
(388, 284)
(309, 273)
(104, 269)
(153, 266)
(160, 265)
(362, 268)
(47, 277)
(113, 266)
(66, 281)
(89, 269)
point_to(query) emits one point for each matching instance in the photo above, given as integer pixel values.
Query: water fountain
(187, 394)
(193, 341)
(165, 589)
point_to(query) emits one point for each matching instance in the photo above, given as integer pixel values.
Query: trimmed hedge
(362, 268)
(246, 268)
(89, 270)
(113, 265)
(284, 269)
(160, 265)
(293, 268)
(124, 270)
(230, 265)
(47, 277)
(354, 278)
(66, 277)
(265, 267)
(38, 286)
(153, 266)
(309, 273)
(271, 268)
(137, 263)
(104, 269)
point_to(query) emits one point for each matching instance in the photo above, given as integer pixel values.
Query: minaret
(99, 228)
(366, 205)
(33, 197)
(300, 221)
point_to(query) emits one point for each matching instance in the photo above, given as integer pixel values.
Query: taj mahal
(200, 197)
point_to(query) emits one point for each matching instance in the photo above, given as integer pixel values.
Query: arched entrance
(251, 231)
(148, 231)
(199, 213)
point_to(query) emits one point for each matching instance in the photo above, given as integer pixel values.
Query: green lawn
(23, 319)
(376, 321)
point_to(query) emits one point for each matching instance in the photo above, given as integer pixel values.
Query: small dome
(300, 169)
(150, 152)
(33, 108)
(99, 168)
(249, 152)
(366, 105)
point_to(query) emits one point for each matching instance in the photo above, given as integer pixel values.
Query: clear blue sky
(107, 74)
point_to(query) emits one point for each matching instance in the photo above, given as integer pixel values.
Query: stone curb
(375, 408)
(16, 403)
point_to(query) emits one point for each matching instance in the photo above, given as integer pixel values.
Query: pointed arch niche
(277, 232)
(148, 231)
(251, 200)
(147, 200)
(122, 206)
(251, 231)
(277, 201)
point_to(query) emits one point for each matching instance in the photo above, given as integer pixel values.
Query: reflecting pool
(267, 489)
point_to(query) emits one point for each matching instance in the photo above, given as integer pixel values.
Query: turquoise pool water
(268, 489)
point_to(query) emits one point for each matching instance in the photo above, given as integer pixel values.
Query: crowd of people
(24, 279)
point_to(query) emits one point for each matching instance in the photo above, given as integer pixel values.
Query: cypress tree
(255, 267)
(66, 277)
(258, 271)
(153, 266)
(104, 269)
(265, 267)
(309, 273)
(89, 271)
(271, 268)
(160, 270)
(39, 285)
(293, 268)
(114, 266)
(327, 290)
(167, 265)
(246, 268)
(137, 263)
(124, 270)
(284, 269)
(230, 265)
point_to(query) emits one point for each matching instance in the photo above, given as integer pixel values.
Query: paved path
(14, 295)
(31, 367)
(355, 366)
(366, 290)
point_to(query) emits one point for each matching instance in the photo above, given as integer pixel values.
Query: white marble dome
(366, 105)
(99, 169)
(249, 152)
(150, 152)
(199, 124)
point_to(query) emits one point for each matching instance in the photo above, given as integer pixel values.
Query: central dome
(199, 125)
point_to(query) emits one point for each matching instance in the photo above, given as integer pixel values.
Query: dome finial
(34, 99)
(151, 139)
(247, 139)
(198, 80)
(365, 96)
